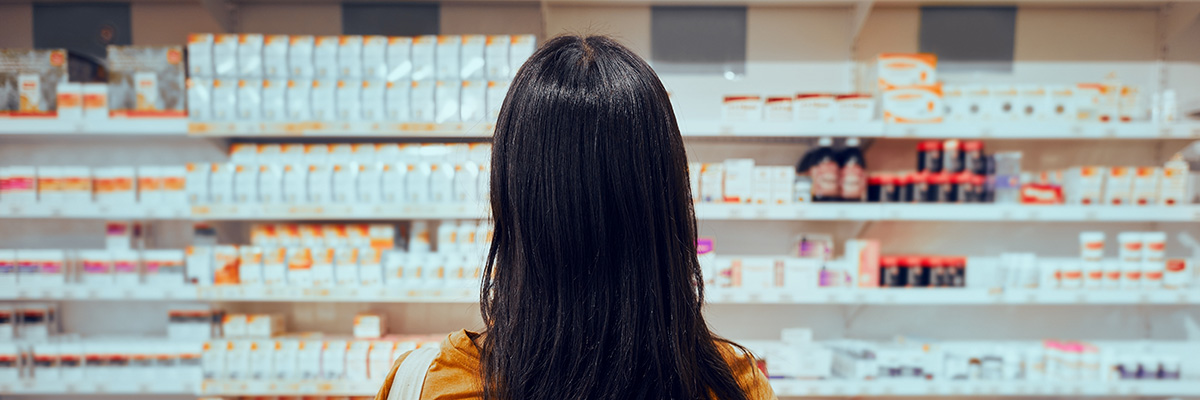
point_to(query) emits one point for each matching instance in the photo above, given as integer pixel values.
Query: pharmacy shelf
(340, 212)
(93, 211)
(834, 388)
(473, 130)
(946, 212)
(716, 296)
(59, 387)
(56, 127)
(1044, 130)
(721, 129)
(287, 388)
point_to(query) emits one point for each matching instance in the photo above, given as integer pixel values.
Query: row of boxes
(363, 153)
(118, 186)
(344, 100)
(300, 358)
(353, 183)
(804, 107)
(113, 362)
(92, 267)
(740, 181)
(396, 58)
(1116, 186)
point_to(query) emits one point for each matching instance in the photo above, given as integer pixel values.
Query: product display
(29, 81)
(803, 107)
(146, 81)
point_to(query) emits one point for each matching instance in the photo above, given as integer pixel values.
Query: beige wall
(491, 19)
(1085, 35)
(156, 24)
(628, 24)
(16, 25)
(797, 34)
(291, 18)
(889, 30)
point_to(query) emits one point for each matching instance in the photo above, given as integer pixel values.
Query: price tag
(99, 388)
(1090, 215)
(1081, 298)
(735, 212)
(143, 388)
(910, 131)
(1031, 298)
(15, 210)
(1077, 130)
(1143, 298)
(93, 293)
(754, 298)
(986, 132)
(760, 213)
(127, 293)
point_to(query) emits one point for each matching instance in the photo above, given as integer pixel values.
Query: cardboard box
(815, 107)
(742, 108)
(897, 69)
(913, 104)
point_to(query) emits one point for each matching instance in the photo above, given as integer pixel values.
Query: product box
(298, 95)
(275, 266)
(95, 101)
(424, 51)
(275, 57)
(150, 185)
(396, 102)
(473, 105)
(863, 255)
(250, 55)
(1084, 185)
(250, 265)
(164, 268)
(300, 267)
(380, 358)
(224, 56)
(21, 185)
(370, 325)
(274, 100)
(370, 266)
(199, 91)
(466, 182)
(814, 107)
(197, 175)
(224, 99)
(739, 180)
(1174, 186)
(374, 105)
(346, 266)
(1118, 186)
(350, 57)
(75, 184)
(1004, 103)
(800, 273)
(520, 49)
(221, 184)
(300, 56)
(1088, 97)
(496, 58)
(978, 103)
(1033, 103)
(374, 57)
(264, 325)
(201, 265)
(496, 91)
(200, 55)
(1061, 103)
(323, 103)
(913, 104)
(957, 108)
(95, 268)
(448, 66)
(441, 183)
(712, 182)
(234, 325)
(421, 102)
(325, 57)
(472, 58)
(31, 78)
(322, 266)
(8, 277)
(782, 184)
(146, 81)
(778, 109)
(49, 185)
(897, 70)
(333, 359)
(854, 108)
(249, 99)
(399, 59)
(349, 100)
(743, 108)
(356, 360)
(320, 183)
(226, 265)
(1146, 185)
(70, 101)
(126, 267)
(447, 95)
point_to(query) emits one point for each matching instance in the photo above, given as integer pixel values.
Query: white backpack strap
(410, 375)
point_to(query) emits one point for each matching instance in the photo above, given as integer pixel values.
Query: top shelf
(696, 129)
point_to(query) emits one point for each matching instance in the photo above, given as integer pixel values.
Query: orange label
(149, 183)
(95, 101)
(1096, 275)
(1154, 276)
(71, 100)
(1114, 275)
(1133, 275)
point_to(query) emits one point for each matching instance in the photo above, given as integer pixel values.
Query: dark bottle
(972, 156)
(853, 168)
(824, 170)
(929, 156)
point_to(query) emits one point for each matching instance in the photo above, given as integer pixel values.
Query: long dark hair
(592, 289)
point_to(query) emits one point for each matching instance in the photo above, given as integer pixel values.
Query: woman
(591, 289)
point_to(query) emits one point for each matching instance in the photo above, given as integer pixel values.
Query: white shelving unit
(340, 129)
(55, 387)
(405, 294)
(799, 388)
(130, 127)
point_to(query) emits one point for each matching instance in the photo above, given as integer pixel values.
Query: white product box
(496, 91)
(260, 362)
(270, 184)
(345, 178)
(712, 182)
(743, 108)
(396, 103)
(978, 102)
(200, 55)
(1129, 104)
(782, 184)
(447, 94)
(349, 100)
(325, 57)
(300, 56)
(394, 265)
(197, 182)
(250, 55)
(245, 184)
(95, 101)
(224, 99)
(221, 184)
(308, 359)
(264, 325)
(957, 108)
(739, 180)
(300, 267)
(299, 100)
(1118, 186)
(125, 266)
(70, 101)
(116, 185)
(234, 325)
(237, 359)
(373, 100)
(274, 103)
(814, 107)
(1174, 187)
(200, 265)
(1033, 103)
(350, 57)
(472, 57)
(757, 273)
(149, 186)
(441, 183)
(370, 266)
(496, 57)
(1061, 103)
(761, 193)
(1004, 103)
(96, 268)
(474, 105)
(243, 153)
(250, 266)
(379, 360)
(163, 267)
(295, 184)
(421, 103)
(285, 359)
(778, 109)
(21, 185)
(275, 57)
(399, 59)
(855, 108)
(213, 366)
(49, 185)
(906, 69)
(333, 360)
(320, 183)
(370, 325)
(322, 267)
(466, 182)
(369, 183)
(394, 181)
(520, 49)
(225, 55)
(374, 57)
(199, 91)
(356, 360)
(1085, 185)
(913, 104)
(324, 100)
(424, 50)
(1146, 186)
(447, 67)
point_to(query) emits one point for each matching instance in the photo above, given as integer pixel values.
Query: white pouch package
(472, 57)
(447, 96)
(399, 59)
(274, 103)
(396, 104)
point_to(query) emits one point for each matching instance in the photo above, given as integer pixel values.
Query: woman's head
(592, 288)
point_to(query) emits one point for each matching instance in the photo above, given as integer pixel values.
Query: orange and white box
(1173, 189)
(49, 185)
(712, 182)
(424, 48)
(320, 183)
(447, 66)
(197, 182)
(374, 57)
(370, 325)
(783, 183)
(345, 178)
(18, 185)
(349, 100)
(274, 266)
(1118, 186)
(325, 57)
(312, 235)
(295, 184)
(346, 266)
(126, 267)
(1145, 185)
(226, 263)
(70, 101)
(820, 107)
(472, 57)
(762, 185)
(95, 101)
(76, 185)
(739, 180)
(115, 185)
(370, 266)
(225, 55)
(270, 184)
(221, 183)
(857, 107)
(521, 47)
(250, 266)
(1085, 185)
(778, 109)
(300, 56)
(379, 360)
(234, 325)
(173, 185)
(250, 55)
(275, 56)
(898, 69)
(913, 105)
(224, 99)
(496, 57)
(149, 185)
(374, 100)
(746, 108)
(356, 361)
(322, 266)
(421, 101)
(200, 55)
(265, 325)
(300, 264)
(323, 103)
